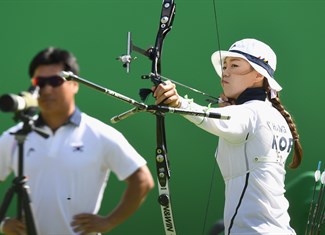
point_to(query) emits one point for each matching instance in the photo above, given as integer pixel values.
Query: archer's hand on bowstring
(225, 101)
(166, 94)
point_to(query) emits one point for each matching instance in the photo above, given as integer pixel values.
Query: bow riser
(162, 164)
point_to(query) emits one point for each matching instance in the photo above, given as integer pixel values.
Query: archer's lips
(224, 82)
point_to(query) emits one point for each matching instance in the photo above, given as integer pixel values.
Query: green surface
(95, 31)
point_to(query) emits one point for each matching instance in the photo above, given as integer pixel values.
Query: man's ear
(75, 86)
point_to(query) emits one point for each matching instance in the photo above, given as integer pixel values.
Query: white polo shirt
(67, 172)
(253, 147)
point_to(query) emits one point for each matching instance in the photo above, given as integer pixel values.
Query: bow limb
(165, 25)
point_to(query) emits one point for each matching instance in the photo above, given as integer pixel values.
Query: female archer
(254, 144)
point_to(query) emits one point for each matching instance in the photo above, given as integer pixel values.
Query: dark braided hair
(276, 103)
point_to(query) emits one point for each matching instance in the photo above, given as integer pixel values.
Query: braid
(276, 103)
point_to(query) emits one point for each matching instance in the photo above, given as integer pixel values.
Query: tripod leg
(29, 219)
(6, 202)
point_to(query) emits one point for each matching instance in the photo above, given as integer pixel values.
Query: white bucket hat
(260, 56)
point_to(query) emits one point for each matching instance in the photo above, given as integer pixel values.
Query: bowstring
(214, 165)
(217, 29)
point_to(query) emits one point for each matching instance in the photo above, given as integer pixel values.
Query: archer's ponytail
(276, 103)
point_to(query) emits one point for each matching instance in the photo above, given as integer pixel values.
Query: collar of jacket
(257, 93)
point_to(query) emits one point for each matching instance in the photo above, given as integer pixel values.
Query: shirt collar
(257, 93)
(74, 119)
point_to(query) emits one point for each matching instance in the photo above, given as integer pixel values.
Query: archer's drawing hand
(226, 101)
(166, 94)
(14, 227)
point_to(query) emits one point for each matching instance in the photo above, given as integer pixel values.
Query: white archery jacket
(253, 147)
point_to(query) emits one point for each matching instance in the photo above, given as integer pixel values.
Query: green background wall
(95, 31)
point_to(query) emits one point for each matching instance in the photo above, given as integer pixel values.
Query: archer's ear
(259, 77)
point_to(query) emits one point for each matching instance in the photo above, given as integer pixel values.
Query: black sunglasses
(53, 81)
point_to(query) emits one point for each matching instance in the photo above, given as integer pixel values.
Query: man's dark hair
(52, 55)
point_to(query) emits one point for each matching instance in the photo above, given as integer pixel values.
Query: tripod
(24, 210)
